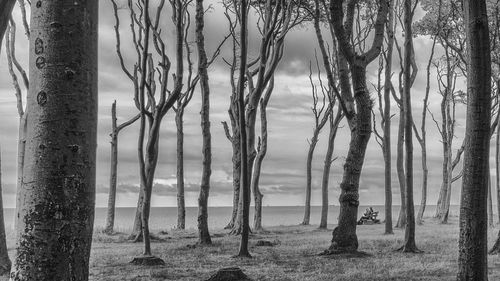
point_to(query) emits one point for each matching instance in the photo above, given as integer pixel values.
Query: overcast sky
(290, 125)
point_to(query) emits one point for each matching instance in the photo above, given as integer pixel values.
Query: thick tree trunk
(334, 125)
(400, 169)
(54, 232)
(5, 263)
(110, 218)
(473, 239)
(344, 238)
(204, 234)
(387, 122)
(136, 234)
(181, 205)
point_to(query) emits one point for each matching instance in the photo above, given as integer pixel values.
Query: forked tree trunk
(334, 125)
(473, 239)
(204, 234)
(5, 263)
(236, 160)
(54, 232)
(181, 205)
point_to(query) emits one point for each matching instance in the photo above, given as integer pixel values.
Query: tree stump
(229, 274)
(264, 243)
(147, 261)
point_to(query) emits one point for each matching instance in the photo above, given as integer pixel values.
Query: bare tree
(321, 112)
(152, 105)
(357, 110)
(56, 211)
(6, 7)
(472, 258)
(113, 175)
(5, 263)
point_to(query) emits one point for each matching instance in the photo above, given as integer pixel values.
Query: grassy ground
(294, 258)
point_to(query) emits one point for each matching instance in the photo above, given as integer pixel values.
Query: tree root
(147, 261)
(344, 254)
(229, 274)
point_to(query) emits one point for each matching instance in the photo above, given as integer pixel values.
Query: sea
(165, 218)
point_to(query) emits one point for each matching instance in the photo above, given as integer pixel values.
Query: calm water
(166, 217)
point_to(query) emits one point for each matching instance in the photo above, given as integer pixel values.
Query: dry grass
(295, 258)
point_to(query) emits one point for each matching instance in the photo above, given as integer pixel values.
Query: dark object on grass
(229, 274)
(265, 243)
(369, 217)
(147, 260)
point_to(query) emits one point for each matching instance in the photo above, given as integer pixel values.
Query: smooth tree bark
(56, 211)
(473, 238)
(203, 233)
(334, 126)
(5, 263)
(357, 109)
(321, 116)
(113, 177)
(409, 245)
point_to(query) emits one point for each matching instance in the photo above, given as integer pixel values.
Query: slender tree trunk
(310, 153)
(236, 179)
(204, 234)
(5, 263)
(344, 238)
(497, 162)
(334, 124)
(54, 232)
(400, 169)
(181, 205)
(136, 234)
(409, 243)
(387, 121)
(490, 201)
(425, 176)
(110, 218)
(473, 239)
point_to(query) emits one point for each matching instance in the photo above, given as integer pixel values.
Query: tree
(245, 184)
(153, 110)
(422, 135)
(204, 235)
(472, 258)
(409, 72)
(113, 175)
(321, 116)
(56, 211)
(5, 263)
(357, 110)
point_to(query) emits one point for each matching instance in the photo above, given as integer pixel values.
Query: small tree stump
(147, 261)
(229, 274)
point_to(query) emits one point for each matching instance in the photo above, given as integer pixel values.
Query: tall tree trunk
(245, 169)
(204, 234)
(497, 162)
(400, 169)
(236, 160)
(5, 263)
(473, 239)
(344, 238)
(181, 205)
(110, 217)
(490, 201)
(409, 242)
(334, 125)
(54, 232)
(387, 121)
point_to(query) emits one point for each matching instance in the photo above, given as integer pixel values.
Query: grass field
(293, 258)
